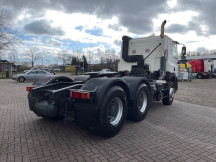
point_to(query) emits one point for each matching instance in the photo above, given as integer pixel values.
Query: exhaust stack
(162, 28)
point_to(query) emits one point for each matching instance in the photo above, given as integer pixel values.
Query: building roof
(204, 57)
(4, 61)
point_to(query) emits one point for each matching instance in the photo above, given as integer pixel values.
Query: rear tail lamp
(29, 88)
(80, 95)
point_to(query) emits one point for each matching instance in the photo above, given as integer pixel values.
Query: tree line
(199, 53)
(90, 60)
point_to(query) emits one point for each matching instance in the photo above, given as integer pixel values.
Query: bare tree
(111, 59)
(48, 60)
(79, 55)
(8, 38)
(13, 56)
(33, 55)
(90, 56)
(101, 56)
(64, 57)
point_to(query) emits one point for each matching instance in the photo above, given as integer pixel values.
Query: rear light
(80, 95)
(29, 88)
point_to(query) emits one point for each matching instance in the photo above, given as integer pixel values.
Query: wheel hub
(142, 101)
(171, 94)
(115, 111)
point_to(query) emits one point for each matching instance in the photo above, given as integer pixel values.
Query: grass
(3, 75)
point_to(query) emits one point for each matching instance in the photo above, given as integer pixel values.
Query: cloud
(42, 27)
(206, 21)
(118, 42)
(201, 49)
(54, 42)
(135, 15)
(177, 28)
(101, 22)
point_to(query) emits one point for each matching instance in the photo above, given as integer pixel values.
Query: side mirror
(183, 50)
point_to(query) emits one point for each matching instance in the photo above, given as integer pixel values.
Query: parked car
(57, 69)
(48, 70)
(103, 72)
(50, 79)
(34, 68)
(31, 75)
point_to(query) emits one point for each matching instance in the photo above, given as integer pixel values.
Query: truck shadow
(71, 129)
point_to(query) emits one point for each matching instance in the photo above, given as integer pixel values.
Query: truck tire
(140, 104)
(112, 113)
(21, 79)
(200, 76)
(170, 96)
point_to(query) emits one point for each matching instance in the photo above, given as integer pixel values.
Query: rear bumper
(86, 112)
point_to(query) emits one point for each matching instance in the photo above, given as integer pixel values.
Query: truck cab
(163, 58)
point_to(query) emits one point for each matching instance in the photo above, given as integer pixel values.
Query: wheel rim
(199, 76)
(115, 111)
(142, 101)
(171, 94)
(21, 79)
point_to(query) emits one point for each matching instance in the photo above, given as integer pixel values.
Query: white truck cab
(167, 50)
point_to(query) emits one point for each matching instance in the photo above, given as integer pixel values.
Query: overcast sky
(53, 25)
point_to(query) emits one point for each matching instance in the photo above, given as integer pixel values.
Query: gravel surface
(199, 91)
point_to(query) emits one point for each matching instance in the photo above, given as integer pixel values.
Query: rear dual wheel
(140, 105)
(112, 113)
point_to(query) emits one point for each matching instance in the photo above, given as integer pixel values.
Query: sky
(55, 25)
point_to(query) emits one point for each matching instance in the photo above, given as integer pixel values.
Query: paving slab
(180, 132)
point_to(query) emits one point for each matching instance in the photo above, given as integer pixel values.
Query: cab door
(172, 59)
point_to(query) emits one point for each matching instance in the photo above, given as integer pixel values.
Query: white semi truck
(147, 72)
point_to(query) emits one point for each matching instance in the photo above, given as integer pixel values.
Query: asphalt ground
(180, 132)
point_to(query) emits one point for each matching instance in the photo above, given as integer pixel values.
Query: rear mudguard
(102, 85)
(87, 113)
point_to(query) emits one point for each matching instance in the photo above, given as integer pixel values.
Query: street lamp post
(83, 64)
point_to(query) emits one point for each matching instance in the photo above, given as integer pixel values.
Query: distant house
(7, 66)
(4, 64)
